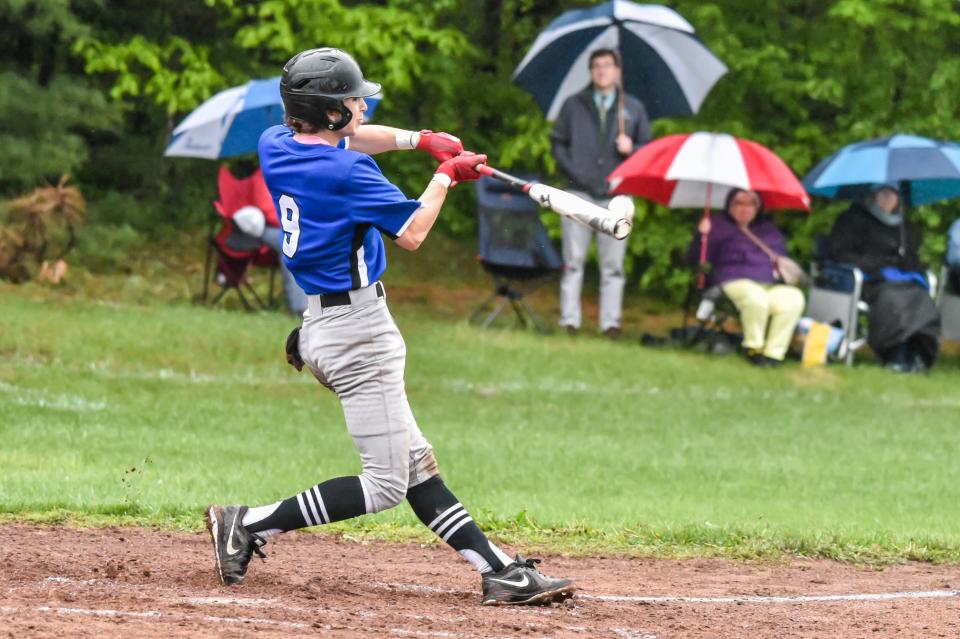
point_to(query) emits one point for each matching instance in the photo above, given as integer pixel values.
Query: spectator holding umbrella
(596, 129)
(666, 70)
(875, 235)
(743, 244)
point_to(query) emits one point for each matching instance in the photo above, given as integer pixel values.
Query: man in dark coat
(876, 237)
(596, 129)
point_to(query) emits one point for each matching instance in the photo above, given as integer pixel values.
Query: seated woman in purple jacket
(769, 310)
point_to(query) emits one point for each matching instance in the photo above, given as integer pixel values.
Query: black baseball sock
(442, 513)
(333, 500)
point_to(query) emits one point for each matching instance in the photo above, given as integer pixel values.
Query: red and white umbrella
(699, 169)
(694, 170)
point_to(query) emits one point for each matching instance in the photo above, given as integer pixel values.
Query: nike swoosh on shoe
(519, 584)
(231, 550)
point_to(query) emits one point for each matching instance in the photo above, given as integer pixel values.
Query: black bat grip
(497, 174)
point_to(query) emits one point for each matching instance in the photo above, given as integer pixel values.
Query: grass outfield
(118, 413)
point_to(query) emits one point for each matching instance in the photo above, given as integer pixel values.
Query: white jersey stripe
(362, 268)
(406, 224)
(463, 522)
(303, 511)
(442, 515)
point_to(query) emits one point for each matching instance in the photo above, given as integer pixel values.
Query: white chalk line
(730, 599)
(630, 634)
(156, 614)
(440, 634)
(94, 612)
(776, 599)
(40, 399)
(144, 614)
(107, 370)
(277, 604)
(883, 596)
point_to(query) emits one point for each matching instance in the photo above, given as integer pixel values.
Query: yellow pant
(759, 304)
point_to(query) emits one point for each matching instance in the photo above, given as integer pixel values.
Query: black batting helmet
(319, 80)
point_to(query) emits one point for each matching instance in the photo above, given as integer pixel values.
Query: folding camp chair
(513, 247)
(706, 313)
(835, 298)
(948, 302)
(236, 251)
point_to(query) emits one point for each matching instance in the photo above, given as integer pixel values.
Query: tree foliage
(806, 77)
(44, 110)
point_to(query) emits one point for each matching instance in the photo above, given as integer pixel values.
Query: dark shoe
(572, 331)
(613, 332)
(521, 583)
(898, 359)
(233, 545)
(758, 359)
(919, 366)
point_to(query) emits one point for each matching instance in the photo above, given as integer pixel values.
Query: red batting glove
(442, 146)
(462, 168)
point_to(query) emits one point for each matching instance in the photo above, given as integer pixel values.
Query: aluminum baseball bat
(613, 223)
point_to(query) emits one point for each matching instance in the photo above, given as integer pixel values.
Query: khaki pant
(760, 305)
(610, 255)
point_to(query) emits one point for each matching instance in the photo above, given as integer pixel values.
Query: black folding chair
(705, 315)
(514, 249)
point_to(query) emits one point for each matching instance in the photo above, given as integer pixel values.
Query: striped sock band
(450, 521)
(312, 508)
(333, 500)
(442, 513)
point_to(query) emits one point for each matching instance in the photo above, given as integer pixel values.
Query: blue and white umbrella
(230, 123)
(926, 170)
(664, 64)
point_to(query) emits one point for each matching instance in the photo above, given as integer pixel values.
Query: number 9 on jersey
(290, 221)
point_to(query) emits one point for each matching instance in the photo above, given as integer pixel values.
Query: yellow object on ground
(815, 345)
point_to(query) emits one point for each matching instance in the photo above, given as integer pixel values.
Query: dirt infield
(131, 582)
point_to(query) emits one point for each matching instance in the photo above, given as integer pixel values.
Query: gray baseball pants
(610, 253)
(357, 351)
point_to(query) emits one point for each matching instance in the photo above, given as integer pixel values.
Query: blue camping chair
(513, 247)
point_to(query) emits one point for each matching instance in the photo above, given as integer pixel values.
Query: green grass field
(116, 412)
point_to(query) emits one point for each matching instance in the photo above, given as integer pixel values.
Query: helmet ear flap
(313, 109)
(345, 117)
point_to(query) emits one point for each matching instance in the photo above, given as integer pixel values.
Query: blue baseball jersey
(332, 204)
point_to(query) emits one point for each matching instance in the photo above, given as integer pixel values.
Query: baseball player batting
(333, 203)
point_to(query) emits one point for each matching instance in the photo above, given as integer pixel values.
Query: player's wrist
(442, 179)
(407, 140)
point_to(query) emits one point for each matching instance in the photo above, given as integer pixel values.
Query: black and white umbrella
(664, 63)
